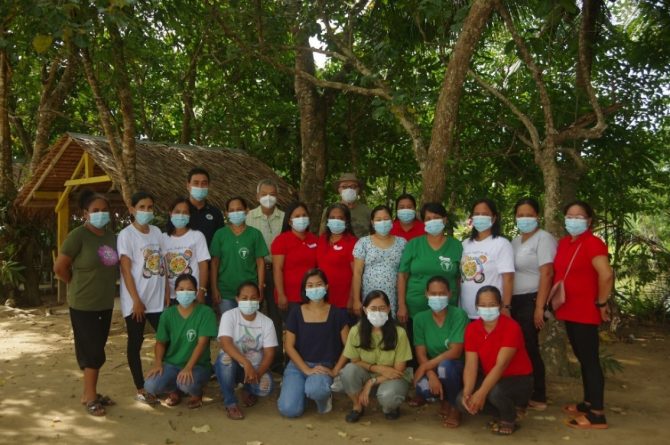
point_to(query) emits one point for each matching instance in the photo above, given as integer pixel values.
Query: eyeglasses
(377, 308)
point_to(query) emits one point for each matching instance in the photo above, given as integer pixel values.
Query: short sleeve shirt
(237, 258)
(421, 262)
(250, 337)
(207, 220)
(182, 255)
(482, 264)
(415, 231)
(438, 339)
(376, 355)
(581, 284)
(380, 271)
(487, 345)
(335, 261)
(146, 266)
(318, 342)
(529, 256)
(269, 226)
(299, 257)
(182, 334)
(95, 269)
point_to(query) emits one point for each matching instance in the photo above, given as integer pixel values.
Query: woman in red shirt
(334, 255)
(495, 343)
(587, 283)
(293, 254)
(406, 224)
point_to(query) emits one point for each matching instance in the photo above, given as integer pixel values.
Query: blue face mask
(488, 313)
(199, 193)
(143, 217)
(434, 227)
(237, 218)
(315, 293)
(179, 220)
(576, 226)
(336, 226)
(383, 227)
(98, 219)
(185, 298)
(300, 223)
(526, 224)
(248, 307)
(482, 222)
(406, 215)
(438, 302)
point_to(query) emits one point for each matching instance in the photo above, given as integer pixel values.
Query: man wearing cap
(268, 219)
(349, 187)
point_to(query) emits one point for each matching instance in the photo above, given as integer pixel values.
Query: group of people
(371, 306)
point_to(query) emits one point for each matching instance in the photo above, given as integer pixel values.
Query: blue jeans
(229, 373)
(296, 385)
(450, 375)
(167, 382)
(226, 305)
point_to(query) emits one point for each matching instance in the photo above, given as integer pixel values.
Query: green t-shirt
(376, 355)
(436, 338)
(182, 334)
(237, 258)
(422, 262)
(95, 269)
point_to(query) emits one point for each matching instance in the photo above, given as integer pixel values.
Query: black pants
(586, 344)
(90, 329)
(523, 311)
(135, 340)
(271, 309)
(504, 398)
(409, 329)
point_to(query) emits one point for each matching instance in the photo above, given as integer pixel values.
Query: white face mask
(268, 201)
(377, 319)
(349, 195)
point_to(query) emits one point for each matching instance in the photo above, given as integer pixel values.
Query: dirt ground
(40, 386)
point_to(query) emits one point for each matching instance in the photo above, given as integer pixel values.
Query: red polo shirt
(299, 257)
(416, 230)
(581, 284)
(335, 261)
(507, 333)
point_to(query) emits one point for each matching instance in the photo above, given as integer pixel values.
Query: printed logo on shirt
(243, 253)
(337, 247)
(311, 246)
(472, 268)
(445, 263)
(191, 335)
(178, 262)
(446, 344)
(152, 263)
(108, 255)
(209, 216)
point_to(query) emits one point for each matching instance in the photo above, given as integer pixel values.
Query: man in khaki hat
(349, 187)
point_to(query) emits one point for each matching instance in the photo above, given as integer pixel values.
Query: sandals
(354, 416)
(576, 409)
(234, 413)
(392, 415)
(95, 408)
(248, 399)
(453, 419)
(590, 421)
(416, 402)
(537, 406)
(146, 398)
(503, 428)
(194, 402)
(173, 399)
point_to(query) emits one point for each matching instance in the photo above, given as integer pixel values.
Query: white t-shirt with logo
(147, 268)
(250, 337)
(182, 255)
(536, 251)
(482, 264)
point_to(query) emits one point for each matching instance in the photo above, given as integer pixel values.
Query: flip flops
(576, 409)
(95, 408)
(589, 421)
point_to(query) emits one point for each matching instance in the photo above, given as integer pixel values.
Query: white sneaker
(329, 405)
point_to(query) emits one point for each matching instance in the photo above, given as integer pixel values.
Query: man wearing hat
(349, 187)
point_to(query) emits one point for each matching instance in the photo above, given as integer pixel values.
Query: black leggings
(585, 344)
(523, 311)
(135, 340)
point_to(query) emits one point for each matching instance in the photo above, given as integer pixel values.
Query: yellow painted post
(63, 227)
(88, 165)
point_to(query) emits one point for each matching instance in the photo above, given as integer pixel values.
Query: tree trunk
(7, 187)
(313, 117)
(553, 221)
(188, 120)
(29, 259)
(433, 170)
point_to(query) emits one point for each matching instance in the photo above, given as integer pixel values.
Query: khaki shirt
(269, 226)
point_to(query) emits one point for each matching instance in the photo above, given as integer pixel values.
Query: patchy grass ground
(40, 386)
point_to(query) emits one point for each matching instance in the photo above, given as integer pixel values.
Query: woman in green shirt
(379, 351)
(88, 263)
(438, 339)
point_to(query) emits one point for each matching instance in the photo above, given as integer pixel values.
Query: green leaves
(42, 42)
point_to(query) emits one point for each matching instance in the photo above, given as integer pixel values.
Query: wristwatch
(601, 304)
(507, 306)
(204, 289)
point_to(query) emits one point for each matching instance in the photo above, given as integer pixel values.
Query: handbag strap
(571, 261)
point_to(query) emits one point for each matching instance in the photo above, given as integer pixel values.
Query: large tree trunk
(7, 187)
(313, 117)
(188, 119)
(433, 170)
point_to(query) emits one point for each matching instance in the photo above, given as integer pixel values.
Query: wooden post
(63, 220)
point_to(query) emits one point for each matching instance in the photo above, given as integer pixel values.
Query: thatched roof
(161, 170)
